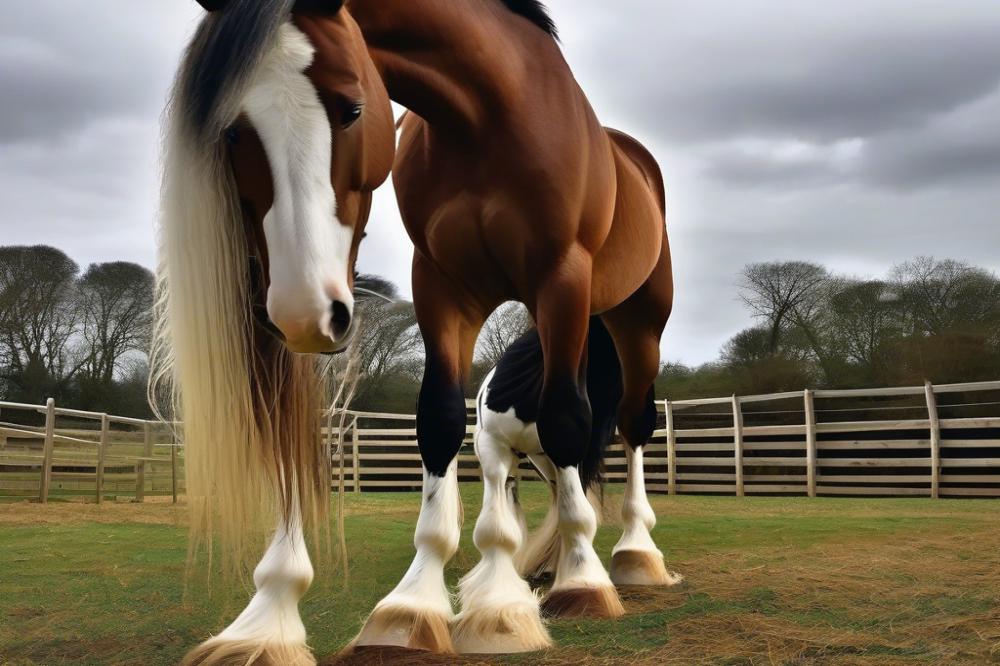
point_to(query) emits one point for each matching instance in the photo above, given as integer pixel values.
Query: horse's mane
(536, 12)
(249, 408)
(225, 52)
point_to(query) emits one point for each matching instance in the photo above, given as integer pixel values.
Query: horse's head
(313, 137)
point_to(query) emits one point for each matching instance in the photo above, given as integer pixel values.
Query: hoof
(503, 630)
(217, 652)
(596, 602)
(405, 627)
(641, 567)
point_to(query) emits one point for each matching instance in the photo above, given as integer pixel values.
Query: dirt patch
(154, 511)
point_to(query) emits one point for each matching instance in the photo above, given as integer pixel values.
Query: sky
(855, 134)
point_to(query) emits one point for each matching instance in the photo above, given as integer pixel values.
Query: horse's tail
(604, 387)
(249, 408)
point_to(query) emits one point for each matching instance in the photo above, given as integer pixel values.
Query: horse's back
(636, 240)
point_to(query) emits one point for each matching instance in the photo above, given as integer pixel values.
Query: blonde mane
(249, 409)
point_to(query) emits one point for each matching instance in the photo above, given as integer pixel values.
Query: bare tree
(39, 312)
(782, 295)
(116, 301)
(388, 339)
(947, 296)
(506, 325)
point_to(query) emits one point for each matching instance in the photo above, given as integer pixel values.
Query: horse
(511, 189)
(278, 131)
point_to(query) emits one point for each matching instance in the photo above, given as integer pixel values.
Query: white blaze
(308, 247)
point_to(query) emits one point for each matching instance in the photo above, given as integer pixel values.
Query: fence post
(935, 428)
(47, 451)
(738, 444)
(102, 451)
(356, 458)
(140, 467)
(173, 464)
(671, 449)
(810, 407)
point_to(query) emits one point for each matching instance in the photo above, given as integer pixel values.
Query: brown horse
(279, 130)
(511, 189)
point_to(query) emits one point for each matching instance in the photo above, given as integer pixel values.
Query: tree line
(79, 337)
(929, 319)
(82, 336)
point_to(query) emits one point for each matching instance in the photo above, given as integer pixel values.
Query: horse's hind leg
(636, 327)
(418, 612)
(269, 630)
(582, 586)
(500, 613)
(538, 556)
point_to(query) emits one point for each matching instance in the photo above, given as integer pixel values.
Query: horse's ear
(213, 5)
(327, 7)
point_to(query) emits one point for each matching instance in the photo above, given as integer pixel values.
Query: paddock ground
(771, 581)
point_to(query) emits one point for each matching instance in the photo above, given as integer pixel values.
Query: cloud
(68, 64)
(856, 134)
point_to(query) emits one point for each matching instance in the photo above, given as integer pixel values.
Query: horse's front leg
(582, 586)
(269, 630)
(418, 612)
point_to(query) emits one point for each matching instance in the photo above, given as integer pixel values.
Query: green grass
(873, 581)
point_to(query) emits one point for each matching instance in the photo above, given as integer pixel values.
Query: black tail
(604, 387)
(517, 384)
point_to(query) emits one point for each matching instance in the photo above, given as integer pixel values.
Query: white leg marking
(635, 559)
(500, 613)
(579, 565)
(416, 614)
(271, 623)
(582, 586)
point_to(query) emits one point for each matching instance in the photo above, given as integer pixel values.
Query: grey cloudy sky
(856, 134)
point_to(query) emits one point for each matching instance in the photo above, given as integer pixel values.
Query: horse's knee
(564, 421)
(637, 419)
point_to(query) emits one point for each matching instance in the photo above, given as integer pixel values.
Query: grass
(796, 581)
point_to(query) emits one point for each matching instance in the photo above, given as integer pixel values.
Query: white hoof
(642, 567)
(405, 625)
(223, 652)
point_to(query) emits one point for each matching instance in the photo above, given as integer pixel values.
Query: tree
(502, 329)
(116, 302)
(38, 318)
(747, 347)
(864, 327)
(388, 339)
(782, 295)
(947, 296)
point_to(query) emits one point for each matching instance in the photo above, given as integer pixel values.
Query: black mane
(536, 12)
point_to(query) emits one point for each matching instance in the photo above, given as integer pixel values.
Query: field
(771, 581)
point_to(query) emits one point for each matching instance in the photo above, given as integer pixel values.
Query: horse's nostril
(340, 319)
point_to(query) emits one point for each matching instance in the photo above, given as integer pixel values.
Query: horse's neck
(452, 67)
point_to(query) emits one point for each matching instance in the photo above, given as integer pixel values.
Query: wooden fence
(929, 441)
(48, 451)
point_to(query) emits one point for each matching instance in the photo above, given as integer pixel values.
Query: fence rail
(70, 452)
(904, 441)
(930, 441)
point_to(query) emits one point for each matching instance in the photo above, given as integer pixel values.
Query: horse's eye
(351, 115)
